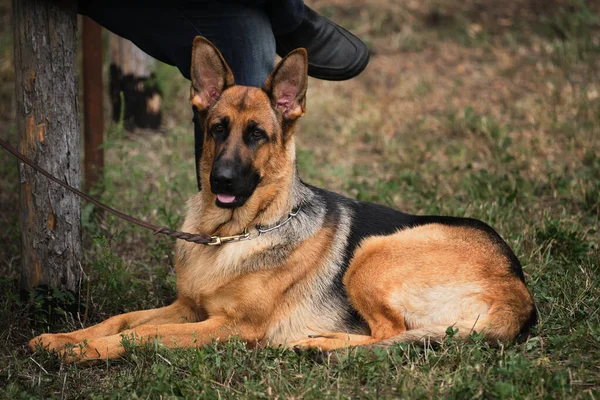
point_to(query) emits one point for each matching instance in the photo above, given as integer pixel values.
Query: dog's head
(248, 141)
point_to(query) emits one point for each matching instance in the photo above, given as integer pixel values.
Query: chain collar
(246, 235)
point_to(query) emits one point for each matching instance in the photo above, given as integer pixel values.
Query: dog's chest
(205, 270)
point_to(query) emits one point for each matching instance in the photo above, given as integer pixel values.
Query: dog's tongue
(225, 198)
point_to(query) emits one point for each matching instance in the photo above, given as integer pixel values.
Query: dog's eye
(217, 129)
(257, 134)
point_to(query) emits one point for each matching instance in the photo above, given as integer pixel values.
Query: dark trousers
(244, 32)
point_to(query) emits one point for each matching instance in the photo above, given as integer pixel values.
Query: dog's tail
(502, 323)
(434, 334)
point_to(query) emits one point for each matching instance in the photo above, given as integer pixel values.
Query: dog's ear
(210, 74)
(287, 84)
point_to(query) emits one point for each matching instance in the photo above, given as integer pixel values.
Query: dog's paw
(321, 342)
(93, 351)
(52, 341)
(81, 353)
(331, 341)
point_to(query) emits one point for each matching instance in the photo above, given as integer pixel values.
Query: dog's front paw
(52, 341)
(93, 351)
(82, 353)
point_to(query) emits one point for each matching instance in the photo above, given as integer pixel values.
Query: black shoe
(334, 54)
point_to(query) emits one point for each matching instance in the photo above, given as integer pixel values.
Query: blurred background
(485, 109)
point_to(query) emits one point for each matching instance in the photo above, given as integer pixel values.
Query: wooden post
(93, 116)
(48, 125)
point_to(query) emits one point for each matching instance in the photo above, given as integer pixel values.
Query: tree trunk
(48, 124)
(132, 80)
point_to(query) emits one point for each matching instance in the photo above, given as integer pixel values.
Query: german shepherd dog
(307, 267)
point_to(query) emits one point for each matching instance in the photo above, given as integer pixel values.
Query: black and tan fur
(340, 273)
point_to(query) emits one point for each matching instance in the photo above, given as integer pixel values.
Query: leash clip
(221, 240)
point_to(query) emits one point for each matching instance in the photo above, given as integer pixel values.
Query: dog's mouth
(226, 198)
(229, 200)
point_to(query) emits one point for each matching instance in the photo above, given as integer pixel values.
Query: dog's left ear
(287, 84)
(210, 74)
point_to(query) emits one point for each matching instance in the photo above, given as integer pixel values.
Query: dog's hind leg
(426, 335)
(423, 336)
(178, 312)
(383, 319)
(332, 341)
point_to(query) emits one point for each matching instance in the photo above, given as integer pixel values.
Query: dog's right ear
(287, 84)
(210, 74)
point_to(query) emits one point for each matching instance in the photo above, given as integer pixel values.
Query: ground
(482, 109)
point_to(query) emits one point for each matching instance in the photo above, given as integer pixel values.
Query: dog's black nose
(221, 178)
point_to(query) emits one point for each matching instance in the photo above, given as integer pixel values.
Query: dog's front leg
(170, 335)
(178, 312)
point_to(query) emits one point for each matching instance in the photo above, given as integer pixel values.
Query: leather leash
(189, 237)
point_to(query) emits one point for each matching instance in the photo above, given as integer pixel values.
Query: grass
(465, 109)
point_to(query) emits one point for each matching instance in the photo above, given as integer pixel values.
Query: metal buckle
(220, 240)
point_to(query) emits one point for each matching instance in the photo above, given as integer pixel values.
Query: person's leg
(243, 34)
(241, 31)
(285, 15)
